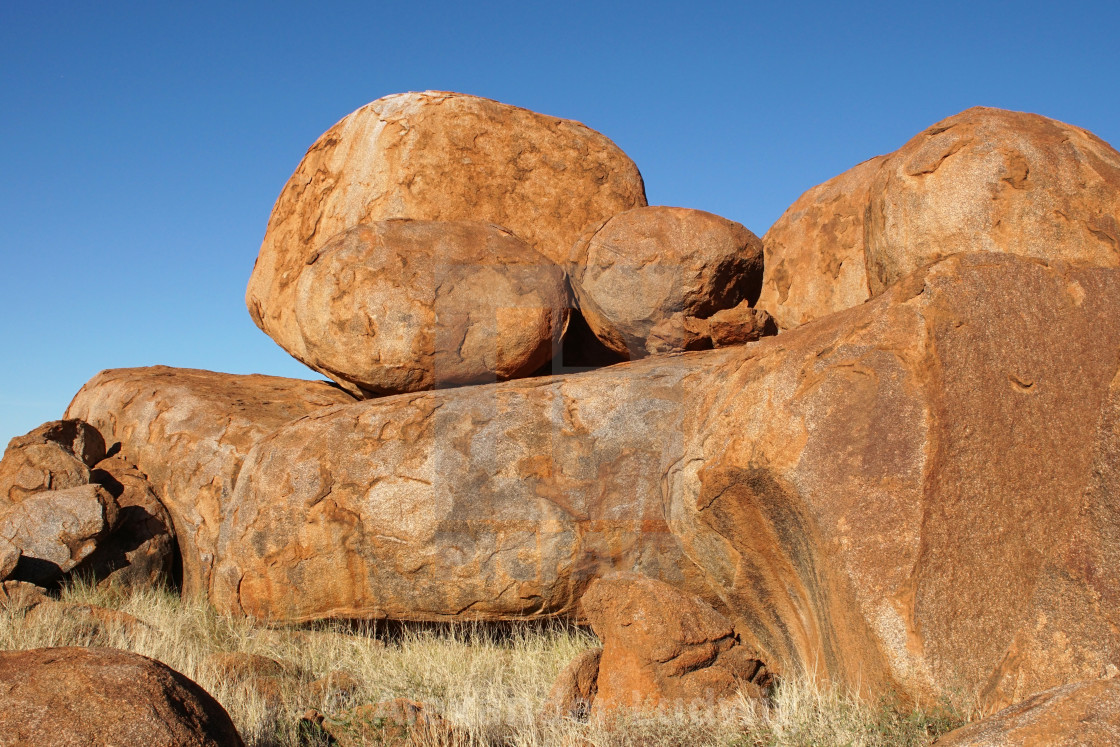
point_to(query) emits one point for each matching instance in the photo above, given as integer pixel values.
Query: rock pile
(850, 499)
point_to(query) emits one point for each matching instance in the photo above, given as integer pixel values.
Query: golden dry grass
(490, 685)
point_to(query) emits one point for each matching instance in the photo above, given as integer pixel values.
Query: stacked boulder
(847, 500)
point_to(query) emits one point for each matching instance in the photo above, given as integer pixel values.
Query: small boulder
(57, 529)
(663, 647)
(398, 723)
(9, 558)
(406, 305)
(20, 595)
(237, 665)
(1083, 714)
(54, 456)
(94, 696)
(85, 621)
(642, 266)
(337, 685)
(575, 687)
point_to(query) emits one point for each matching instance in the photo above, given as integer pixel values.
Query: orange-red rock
(643, 266)
(438, 156)
(859, 492)
(574, 690)
(664, 648)
(815, 252)
(996, 181)
(187, 431)
(405, 305)
(1083, 714)
(495, 502)
(91, 696)
(54, 456)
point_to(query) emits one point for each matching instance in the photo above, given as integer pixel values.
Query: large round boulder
(438, 156)
(403, 305)
(995, 181)
(98, 696)
(644, 266)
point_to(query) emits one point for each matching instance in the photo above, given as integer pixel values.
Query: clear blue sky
(143, 144)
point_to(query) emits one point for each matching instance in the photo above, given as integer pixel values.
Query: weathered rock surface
(664, 648)
(404, 305)
(187, 431)
(438, 156)
(644, 265)
(56, 530)
(21, 595)
(394, 723)
(997, 181)
(54, 456)
(864, 490)
(574, 690)
(836, 484)
(495, 502)
(1084, 714)
(735, 326)
(815, 252)
(141, 551)
(90, 696)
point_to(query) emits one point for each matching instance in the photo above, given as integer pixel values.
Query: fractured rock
(105, 696)
(54, 456)
(187, 431)
(56, 530)
(438, 156)
(664, 648)
(574, 689)
(642, 266)
(405, 305)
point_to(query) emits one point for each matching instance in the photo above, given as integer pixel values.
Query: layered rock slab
(644, 266)
(444, 157)
(865, 491)
(403, 305)
(495, 502)
(1084, 714)
(90, 696)
(188, 431)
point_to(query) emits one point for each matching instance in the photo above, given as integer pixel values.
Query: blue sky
(143, 144)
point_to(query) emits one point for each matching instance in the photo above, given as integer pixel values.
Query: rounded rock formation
(644, 266)
(90, 696)
(403, 305)
(995, 181)
(438, 156)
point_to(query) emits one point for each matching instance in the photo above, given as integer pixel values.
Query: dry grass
(491, 685)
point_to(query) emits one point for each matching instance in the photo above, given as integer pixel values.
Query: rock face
(56, 530)
(997, 181)
(438, 156)
(643, 266)
(187, 431)
(815, 252)
(496, 502)
(840, 490)
(834, 486)
(86, 696)
(1084, 714)
(54, 456)
(663, 648)
(402, 306)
